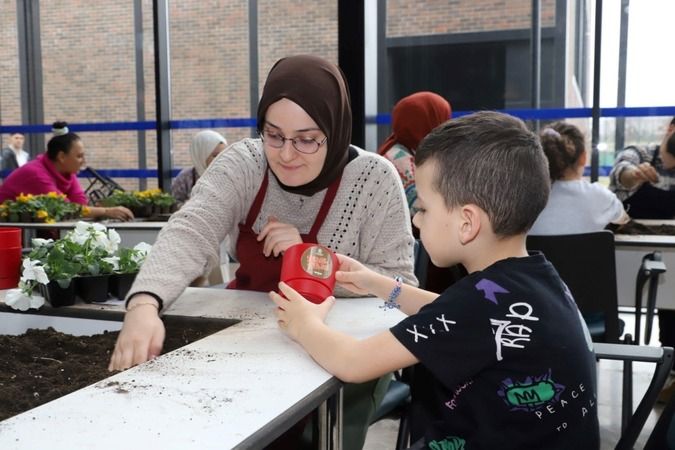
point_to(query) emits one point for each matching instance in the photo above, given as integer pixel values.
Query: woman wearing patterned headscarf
(412, 118)
(301, 181)
(204, 148)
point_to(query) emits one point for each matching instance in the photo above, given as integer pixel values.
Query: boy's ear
(470, 223)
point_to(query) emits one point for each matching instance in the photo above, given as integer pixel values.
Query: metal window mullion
(160, 17)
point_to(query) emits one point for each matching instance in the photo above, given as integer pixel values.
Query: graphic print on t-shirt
(531, 394)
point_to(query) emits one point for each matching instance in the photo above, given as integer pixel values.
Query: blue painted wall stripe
(380, 119)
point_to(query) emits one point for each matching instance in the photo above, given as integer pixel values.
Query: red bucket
(310, 270)
(10, 257)
(10, 237)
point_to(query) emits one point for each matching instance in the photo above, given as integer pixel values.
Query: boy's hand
(354, 276)
(295, 311)
(278, 237)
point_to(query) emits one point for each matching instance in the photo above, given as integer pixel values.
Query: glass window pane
(209, 68)
(89, 75)
(10, 90)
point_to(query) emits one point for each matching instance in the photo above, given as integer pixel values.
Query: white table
(131, 232)
(227, 390)
(629, 252)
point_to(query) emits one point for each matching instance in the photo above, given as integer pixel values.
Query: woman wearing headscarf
(412, 118)
(301, 181)
(204, 148)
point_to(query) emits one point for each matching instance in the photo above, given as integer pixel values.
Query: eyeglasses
(302, 144)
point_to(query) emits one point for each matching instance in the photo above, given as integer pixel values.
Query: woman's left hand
(278, 237)
(295, 311)
(119, 213)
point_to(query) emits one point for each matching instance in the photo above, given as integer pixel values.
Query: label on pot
(317, 262)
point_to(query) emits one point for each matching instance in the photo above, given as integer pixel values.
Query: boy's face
(438, 225)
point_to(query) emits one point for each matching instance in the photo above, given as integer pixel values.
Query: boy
(512, 361)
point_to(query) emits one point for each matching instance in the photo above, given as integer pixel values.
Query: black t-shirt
(512, 361)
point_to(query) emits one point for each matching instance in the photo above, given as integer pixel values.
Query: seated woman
(56, 171)
(574, 205)
(412, 118)
(204, 148)
(301, 181)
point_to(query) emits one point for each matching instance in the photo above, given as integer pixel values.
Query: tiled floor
(382, 435)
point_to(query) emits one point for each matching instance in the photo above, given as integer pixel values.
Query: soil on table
(42, 365)
(633, 227)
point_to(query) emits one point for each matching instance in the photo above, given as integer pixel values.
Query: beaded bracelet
(390, 302)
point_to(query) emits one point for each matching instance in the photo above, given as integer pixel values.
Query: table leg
(330, 422)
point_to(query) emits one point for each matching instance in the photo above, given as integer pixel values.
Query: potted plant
(80, 263)
(127, 264)
(49, 268)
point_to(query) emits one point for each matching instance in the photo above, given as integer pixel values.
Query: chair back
(586, 264)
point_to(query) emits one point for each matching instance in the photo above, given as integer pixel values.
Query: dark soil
(42, 365)
(633, 227)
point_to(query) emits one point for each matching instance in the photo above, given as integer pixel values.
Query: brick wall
(89, 70)
(429, 17)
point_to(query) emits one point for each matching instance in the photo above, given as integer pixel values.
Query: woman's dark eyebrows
(296, 131)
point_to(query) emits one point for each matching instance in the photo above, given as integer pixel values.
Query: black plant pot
(120, 283)
(58, 296)
(92, 288)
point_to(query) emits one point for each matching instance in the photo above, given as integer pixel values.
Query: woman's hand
(119, 213)
(295, 312)
(278, 237)
(638, 175)
(354, 276)
(142, 334)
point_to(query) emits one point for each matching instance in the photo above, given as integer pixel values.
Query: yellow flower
(22, 198)
(41, 214)
(3, 207)
(53, 195)
(50, 220)
(85, 211)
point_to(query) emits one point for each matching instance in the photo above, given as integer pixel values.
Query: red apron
(258, 272)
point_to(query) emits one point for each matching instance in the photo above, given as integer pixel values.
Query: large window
(89, 75)
(10, 90)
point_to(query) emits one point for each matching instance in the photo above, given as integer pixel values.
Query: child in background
(574, 205)
(512, 360)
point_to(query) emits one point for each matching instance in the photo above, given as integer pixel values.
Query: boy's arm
(347, 358)
(361, 280)
(350, 359)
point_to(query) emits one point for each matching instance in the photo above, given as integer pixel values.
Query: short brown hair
(492, 160)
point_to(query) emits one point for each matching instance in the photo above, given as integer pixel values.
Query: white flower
(37, 242)
(32, 270)
(113, 261)
(18, 300)
(143, 247)
(114, 241)
(141, 251)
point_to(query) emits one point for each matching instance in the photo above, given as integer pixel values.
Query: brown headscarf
(319, 88)
(413, 117)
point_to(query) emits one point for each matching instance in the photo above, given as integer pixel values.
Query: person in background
(644, 178)
(56, 171)
(301, 181)
(575, 205)
(14, 156)
(512, 360)
(412, 118)
(204, 148)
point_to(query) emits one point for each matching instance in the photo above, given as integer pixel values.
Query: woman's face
(216, 151)
(72, 161)
(288, 120)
